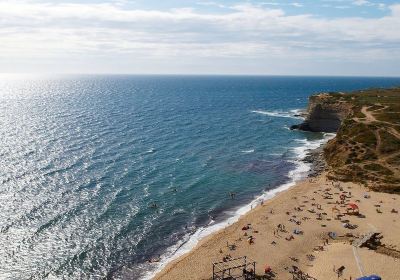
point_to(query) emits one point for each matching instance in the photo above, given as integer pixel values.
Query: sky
(266, 37)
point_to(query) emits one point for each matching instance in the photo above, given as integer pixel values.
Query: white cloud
(295, 4)
(210, 3)
(53, 31)
(381, 6)
(354, 3)
(270, 3)
(361, 3)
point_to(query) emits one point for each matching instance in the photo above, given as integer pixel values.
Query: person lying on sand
(297, 231)
(281, 227)
(318, 248)
(291, 237)
(226, 258)
(310, 257)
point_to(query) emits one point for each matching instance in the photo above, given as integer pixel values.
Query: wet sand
(306, 207)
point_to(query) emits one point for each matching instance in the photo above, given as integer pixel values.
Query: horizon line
(199, 74)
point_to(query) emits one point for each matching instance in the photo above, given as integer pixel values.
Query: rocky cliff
(366, 148)
(324, 114)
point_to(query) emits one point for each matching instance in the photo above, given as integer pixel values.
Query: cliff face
(324, 114)
(366, 148)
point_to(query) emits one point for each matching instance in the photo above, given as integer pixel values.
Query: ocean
(99, 174)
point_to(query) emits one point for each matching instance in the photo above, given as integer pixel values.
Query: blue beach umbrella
(371, 277)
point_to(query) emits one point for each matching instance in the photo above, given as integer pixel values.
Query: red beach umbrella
(267, 269)
(353, 206)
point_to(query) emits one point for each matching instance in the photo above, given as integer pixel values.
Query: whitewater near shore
(307, 208)
(320, 225)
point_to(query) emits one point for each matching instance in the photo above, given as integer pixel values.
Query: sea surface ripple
(83, 160)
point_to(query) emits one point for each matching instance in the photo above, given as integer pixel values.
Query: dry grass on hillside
(367, 146)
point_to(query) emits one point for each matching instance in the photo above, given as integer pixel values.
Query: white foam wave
(275, 154)
(178, 211)
(247, 151)
(189, 241)
(294, 114)
(297, 111)
(150, 151)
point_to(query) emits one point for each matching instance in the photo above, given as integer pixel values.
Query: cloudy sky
(302, 37)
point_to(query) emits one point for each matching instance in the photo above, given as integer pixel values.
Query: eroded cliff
(366, 148)
(325, 113)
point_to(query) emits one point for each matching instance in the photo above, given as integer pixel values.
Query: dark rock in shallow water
(316, 158)
(303, 126)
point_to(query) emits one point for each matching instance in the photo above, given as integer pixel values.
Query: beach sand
(305, 195)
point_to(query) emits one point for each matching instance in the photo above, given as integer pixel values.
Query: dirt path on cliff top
(368, 115)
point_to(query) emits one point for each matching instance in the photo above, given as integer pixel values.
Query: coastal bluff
(366, 148)
(365, 151)
(324, 114)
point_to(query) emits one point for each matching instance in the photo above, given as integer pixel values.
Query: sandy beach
(307, 208)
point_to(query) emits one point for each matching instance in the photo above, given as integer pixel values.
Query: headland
(343, 221)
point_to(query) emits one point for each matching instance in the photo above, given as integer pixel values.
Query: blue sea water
(84, 158)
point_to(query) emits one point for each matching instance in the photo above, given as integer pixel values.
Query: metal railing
(241, 268)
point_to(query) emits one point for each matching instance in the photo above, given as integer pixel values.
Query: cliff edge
(366, 148)
(325, 113)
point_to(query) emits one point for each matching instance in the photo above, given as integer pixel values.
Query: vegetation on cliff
(366, 148)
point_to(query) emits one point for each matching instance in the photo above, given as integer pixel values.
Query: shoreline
(196, 264)
(309, 163)
(196, 261)
(173, 262)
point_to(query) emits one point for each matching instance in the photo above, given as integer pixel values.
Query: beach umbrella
(371, 277)
(332, 235)
(353, 206)
(375, 277)
(267, 269)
